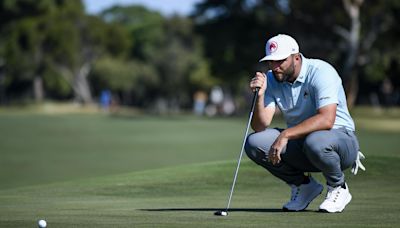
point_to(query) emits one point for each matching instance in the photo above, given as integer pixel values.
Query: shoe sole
(340, 209)
(285, 209)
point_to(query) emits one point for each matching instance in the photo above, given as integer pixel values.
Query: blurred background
(186, 56)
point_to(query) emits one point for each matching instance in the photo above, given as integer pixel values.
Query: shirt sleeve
(269, 100)
(326, 85)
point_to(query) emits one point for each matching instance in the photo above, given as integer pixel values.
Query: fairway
(39, 149)
(99, 171)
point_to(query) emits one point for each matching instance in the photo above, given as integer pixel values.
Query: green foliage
(200, 77)
(233, 36)
(56, 86)
(381, 56)
(53, 40)
(169, 46)
(21, 40)
(118, 42)
(376, 70)
(235, 32)
(16, 9)
(220, 44)
(123, 76)
(144, 26)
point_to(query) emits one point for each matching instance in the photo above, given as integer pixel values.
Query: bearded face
(283, 70)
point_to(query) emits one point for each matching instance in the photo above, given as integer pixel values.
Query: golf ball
(221, 213)
(42, 223)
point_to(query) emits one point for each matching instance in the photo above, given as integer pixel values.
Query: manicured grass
(187, 196)
(97, 171)
(39, 149)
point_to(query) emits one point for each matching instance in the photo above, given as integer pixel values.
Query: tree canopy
(358, 37)
(54, 50)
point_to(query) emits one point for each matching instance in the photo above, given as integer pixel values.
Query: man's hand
(274, 154)
(259, 81)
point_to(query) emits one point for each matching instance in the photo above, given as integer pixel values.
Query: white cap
(280, 47)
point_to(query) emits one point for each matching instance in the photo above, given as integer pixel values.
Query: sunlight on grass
(375, 124)
(92, 170)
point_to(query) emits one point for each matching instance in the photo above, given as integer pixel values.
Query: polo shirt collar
(303, 71)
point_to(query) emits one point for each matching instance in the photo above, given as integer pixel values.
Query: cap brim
(274, 58)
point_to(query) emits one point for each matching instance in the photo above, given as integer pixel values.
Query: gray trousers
(328, 151)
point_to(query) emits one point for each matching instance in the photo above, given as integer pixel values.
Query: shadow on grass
(258, 210)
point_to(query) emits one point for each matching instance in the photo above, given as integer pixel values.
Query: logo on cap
(273, 46)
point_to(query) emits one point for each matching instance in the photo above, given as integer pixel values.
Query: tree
(357, 31)
(144, 26)
(167, 45)
(180, 62)
(76, 41)
(51, 45)
(356, 36)
(234, 33)
(21, 44)
(379, 57)
(131, 79)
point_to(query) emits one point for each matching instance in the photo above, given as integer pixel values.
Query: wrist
(286, 133)
(260, 100)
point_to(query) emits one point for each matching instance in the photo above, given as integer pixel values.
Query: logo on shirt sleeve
(324, 98)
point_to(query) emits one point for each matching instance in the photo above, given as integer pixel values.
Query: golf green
(97, 171)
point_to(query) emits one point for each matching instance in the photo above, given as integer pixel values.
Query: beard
(280, 77)
(285, 76)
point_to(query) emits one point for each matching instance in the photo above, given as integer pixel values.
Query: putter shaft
(242, 149)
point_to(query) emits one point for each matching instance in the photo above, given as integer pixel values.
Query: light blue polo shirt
(317, 85)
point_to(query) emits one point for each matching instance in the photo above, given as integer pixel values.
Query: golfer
(320, 131)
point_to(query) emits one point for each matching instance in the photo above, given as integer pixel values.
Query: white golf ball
(224, 213)
(42, 223)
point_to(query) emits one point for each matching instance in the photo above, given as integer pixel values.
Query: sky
(166, 7)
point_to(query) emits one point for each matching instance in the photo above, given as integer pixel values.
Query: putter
(225, 212)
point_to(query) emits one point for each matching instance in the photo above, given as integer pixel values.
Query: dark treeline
(53, 50)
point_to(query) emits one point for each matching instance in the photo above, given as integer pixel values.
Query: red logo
(273, 46)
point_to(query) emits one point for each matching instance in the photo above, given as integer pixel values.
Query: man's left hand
(274, 154)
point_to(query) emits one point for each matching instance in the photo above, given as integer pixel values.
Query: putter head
(221, 213)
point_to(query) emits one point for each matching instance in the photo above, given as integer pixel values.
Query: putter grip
(253, 103)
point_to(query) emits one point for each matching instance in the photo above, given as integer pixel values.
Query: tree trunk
(352, 38)
(81, 85)
(2, 83)
(77, 79)
(38, 91)
(351, 88)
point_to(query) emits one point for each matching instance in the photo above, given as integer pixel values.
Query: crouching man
(320, 131)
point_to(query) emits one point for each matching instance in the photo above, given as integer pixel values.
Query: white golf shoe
(336, 199)
(303, 195)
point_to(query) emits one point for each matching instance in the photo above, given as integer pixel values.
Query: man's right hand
(259, 81)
